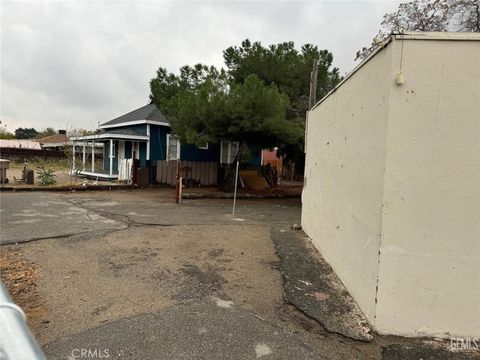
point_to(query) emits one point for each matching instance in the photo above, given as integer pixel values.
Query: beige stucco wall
(398, 202)
(429, 279)
(345, 160)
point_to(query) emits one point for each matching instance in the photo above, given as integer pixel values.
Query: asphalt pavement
(132, 275)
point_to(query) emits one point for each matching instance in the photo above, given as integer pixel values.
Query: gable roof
(20, 144)
(57, 138)
(148, 114)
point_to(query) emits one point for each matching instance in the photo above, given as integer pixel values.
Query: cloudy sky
(74, 64)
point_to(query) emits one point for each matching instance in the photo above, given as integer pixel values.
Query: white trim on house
(135, 122)
(148, 142)
(112, 155)
(112, 136)
(205, 147)
(168, 147)
(121, 153)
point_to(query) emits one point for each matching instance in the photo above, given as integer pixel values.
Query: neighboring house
(20, 144)
(54, 142)
(392, 174)
(271, 157)
(60, 141)
(22, 150)
(146, 134)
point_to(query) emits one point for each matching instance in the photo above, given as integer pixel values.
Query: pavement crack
(63, 236)
(324, 300)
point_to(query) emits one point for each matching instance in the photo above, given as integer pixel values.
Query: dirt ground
(21, 276)
(143, 270)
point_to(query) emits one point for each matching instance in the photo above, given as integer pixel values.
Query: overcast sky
(79, 63)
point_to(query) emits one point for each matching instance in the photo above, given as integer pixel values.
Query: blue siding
(143, 154)
(115, 159)
(191, 152)
(158, 142)
(128, 149)
(141, 128)
(255, 155)
(106, 152)
(158, 148)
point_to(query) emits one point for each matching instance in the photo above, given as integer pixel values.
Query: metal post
(16, 341)
(93, 156)
(235, 191)
(180, 190)
(177, 185)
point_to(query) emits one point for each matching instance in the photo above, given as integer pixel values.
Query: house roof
(57, 138)
(118, 134)
(148, 114)
(20, 144)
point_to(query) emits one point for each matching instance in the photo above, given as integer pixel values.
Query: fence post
(177, 187)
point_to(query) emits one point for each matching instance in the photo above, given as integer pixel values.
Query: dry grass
(20, 278)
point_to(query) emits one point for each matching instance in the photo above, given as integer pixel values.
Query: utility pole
(313, 84)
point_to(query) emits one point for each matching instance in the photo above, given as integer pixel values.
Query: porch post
(93, 156)
(73, 157)
(84, 156)
(148, 142)
(111, 156)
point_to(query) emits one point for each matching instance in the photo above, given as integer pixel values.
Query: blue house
(145, 134)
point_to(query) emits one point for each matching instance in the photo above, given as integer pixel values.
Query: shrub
(46, 176)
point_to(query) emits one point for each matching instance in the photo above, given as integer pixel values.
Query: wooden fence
(194, 173)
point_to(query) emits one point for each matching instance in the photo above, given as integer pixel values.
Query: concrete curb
(66, 188)
(191, 196)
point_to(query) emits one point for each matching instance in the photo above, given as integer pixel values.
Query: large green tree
(203, 105)
(286, 67)
(49, 131)
(261, 98)
(25, 133)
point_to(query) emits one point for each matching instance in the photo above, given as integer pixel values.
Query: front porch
(118, 148)
(95, 175)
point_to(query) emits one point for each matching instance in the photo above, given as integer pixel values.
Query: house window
(204, 147)
(228, 151)
(173, 147)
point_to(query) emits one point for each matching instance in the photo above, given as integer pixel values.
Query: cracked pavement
(135, 275)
